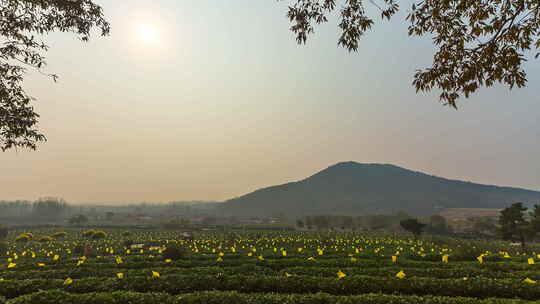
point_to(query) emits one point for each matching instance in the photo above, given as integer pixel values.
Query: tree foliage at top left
(23, 24)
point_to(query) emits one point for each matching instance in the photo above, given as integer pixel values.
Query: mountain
(351, 188)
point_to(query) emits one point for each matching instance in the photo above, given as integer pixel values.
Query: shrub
(23, 238)
(213, 297)
(45, 239)
(89, 233)
(477, 288)
(174, 252)
(99, 235)
(59, 235)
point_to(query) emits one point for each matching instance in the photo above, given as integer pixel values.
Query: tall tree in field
(413, 226)
(515, 227)
(23, 23)
(3, 246)
(3, 232)
(437, 224)
(479, 42)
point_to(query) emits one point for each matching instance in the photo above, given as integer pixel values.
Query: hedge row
(351, 285)
(57, 296)
(278, 264)
(252, 269)
(97, 272)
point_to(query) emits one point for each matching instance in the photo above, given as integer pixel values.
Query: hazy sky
(213, 99)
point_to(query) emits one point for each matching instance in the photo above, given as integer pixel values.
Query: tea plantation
(144, 267)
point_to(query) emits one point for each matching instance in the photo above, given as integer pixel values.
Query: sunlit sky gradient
(222, 101)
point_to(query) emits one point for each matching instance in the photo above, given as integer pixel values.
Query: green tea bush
(23, 238)
(231, 297)
(479, 288)
(89, 233)
(98, 235)
(45, 239)
(60, 235)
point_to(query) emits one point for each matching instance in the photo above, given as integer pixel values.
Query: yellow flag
(168, 261)
(155, 274)
(40, 265)
(445, 258)
(284, 253)
(261, 258)
(119, 260)
(341, 275)
(400, 275)
(530, 261)
(288, 275)
(311, 259)
(480, 259)
(219, 259)
(529, 281)
(56, 257)
(11, 265)
(120, 275)
(68, 281)
(394, 259)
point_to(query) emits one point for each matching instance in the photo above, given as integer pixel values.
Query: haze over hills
(352, 188)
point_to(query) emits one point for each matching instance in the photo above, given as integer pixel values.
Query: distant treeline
(53, 209)
(45, 208)
(435, 223)
(366, 222)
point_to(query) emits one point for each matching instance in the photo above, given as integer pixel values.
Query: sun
(147, 33)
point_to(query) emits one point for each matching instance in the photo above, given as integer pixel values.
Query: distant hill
(351, 188)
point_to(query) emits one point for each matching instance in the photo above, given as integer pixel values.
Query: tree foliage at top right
(479, 42)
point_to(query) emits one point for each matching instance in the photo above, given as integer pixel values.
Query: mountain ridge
(360, 188)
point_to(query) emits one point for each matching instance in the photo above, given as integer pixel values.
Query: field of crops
(281, 267)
